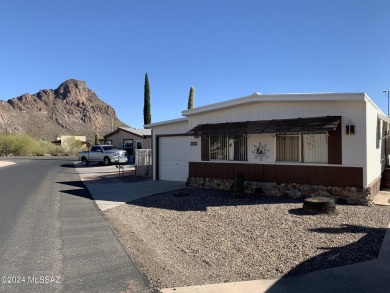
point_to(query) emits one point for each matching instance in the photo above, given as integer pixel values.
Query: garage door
(173, 158)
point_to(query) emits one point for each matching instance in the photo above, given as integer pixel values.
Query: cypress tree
(147, 115)
(191, 98)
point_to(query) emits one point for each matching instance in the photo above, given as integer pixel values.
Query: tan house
(64, 140)
(130, 139)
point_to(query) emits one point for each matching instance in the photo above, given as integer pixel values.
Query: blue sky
(225, 49)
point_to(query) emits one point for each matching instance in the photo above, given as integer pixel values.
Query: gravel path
(193, 237)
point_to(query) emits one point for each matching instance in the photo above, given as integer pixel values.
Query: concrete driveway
(109, 188)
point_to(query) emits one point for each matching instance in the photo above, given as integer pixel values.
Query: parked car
(105, 154)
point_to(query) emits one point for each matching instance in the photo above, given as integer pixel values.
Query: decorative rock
(320, 205)
(323, 193)
(305, 190)
(295, 193)
(350, 195)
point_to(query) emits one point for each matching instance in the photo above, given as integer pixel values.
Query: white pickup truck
(105, 154)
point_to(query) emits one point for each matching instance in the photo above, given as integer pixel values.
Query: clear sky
(225, 49)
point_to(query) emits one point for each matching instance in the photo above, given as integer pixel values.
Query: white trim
(365, 146)
(368, 99)
(138, 132)
(384, 118)
(178, 120)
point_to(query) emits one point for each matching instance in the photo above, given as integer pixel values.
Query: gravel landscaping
(196, 236)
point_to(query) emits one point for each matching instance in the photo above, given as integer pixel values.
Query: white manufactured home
(329, 143)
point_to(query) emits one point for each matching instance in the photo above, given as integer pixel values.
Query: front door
(128, 147)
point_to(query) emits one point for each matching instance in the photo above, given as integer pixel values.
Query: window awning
(304, 125)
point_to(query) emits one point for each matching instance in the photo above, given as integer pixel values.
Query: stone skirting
(350, 195)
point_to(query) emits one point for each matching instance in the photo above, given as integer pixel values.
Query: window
(96, 150)
(139, 145)
(228, 147)
(307, 148)
(315, 148)
(109, 148)
(287, 148)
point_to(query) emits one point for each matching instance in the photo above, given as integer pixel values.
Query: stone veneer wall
(350, 195)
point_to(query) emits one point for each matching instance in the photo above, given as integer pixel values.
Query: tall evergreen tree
(147, 115)
(191, 98)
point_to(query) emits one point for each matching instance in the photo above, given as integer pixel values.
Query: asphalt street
(53, 238)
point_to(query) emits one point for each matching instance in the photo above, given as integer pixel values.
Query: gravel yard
(193, 236)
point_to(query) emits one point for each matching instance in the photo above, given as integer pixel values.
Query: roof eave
(178, 120)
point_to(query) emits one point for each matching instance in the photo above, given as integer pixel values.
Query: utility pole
(388, 98)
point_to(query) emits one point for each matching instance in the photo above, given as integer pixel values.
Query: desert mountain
(71, 109)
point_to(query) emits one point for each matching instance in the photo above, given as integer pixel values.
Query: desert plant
(16, 144)
(56, 150)
(42, 147)
(191, 98)
(24, 145)
(6, 144)
(96, 138)
(72, 147)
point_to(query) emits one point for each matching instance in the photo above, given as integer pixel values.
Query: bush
(56, 150)
(22, 144)
(6, 144)
(42, 147)
(72, 147)
(18, 145)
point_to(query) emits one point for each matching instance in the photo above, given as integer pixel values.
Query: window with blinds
(228, 147)
(307, 148)
(287, 148)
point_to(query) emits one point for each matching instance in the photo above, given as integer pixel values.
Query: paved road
(52, 236)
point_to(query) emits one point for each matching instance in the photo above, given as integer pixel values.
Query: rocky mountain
(71, 109)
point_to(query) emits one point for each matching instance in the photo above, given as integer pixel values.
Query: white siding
(358, 150)
(171, 127)
(267, 144)
(275, 110)
(194, 152)
(353, 150)
(375, 164)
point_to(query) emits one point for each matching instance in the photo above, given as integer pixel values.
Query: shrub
(56, 150)
(22, 144)
(42, 147)
(72, 146)
(16, 144)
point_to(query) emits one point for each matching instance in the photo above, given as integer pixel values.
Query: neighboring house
(327, 143)
(130, 139)
(64, 140)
